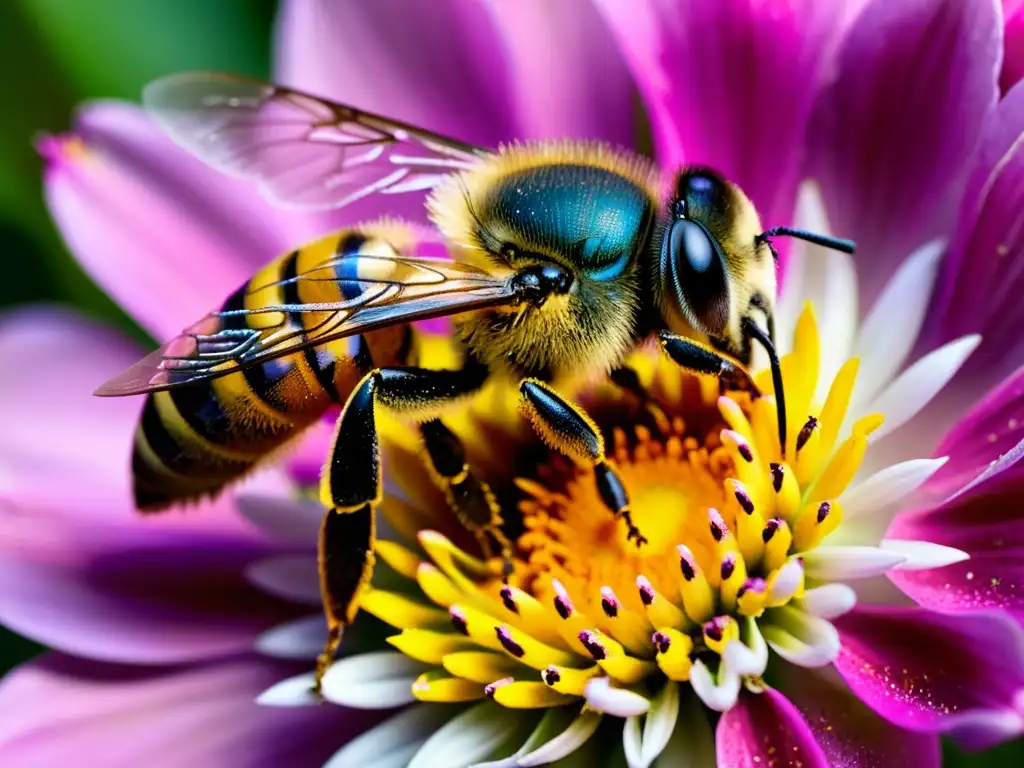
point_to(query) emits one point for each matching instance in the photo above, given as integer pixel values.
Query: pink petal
(761, 728)
(989, 430)
(1013, 46)
(985, 521)
(64, 711)
(438, 65)
(926, 671)
(79, 568)
(982, 279)
(883, 143)
(568, 78)
(730, 84)
(849, 733)
(168, 237)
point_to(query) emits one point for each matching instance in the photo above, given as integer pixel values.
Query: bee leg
(703, 360)
(565, 427)
(345, 555)
(469, 497)
(351, 486)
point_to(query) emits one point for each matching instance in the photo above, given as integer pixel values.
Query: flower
(797, 662)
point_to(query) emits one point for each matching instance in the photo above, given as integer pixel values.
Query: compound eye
(692, 263)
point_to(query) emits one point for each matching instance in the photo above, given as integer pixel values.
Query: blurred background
(55, 54)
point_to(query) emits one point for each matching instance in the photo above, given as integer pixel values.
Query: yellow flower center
(730, 518)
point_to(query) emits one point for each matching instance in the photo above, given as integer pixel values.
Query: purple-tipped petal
(892, 134)
(761, 728)
(439, 65)
(64, 711)
(989, 430)
(80, 570)
(984, 521)
(730, 84)
(982, 278)
(926, 671)
(1013, 44)
(849, 733)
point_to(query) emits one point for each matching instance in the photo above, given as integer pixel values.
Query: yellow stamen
(720, 631)
(521, 694)
(481, 666)
(778, 539)
(568, 680)
(401, 611)
(694, 589)
(674, 649)
(438, 686)
(428, 646)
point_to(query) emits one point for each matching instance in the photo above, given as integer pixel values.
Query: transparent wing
(304, 152)
(382, 291)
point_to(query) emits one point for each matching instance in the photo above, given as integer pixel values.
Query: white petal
(787, 582)
(565, 743)
(294, 692)
(828, 601)
(301, 639)
(888, 486)
(469, 737)
(290, 577)
(378, 680)
(749, 656)
(660, 723)
(890, 330)
(693, 743)
(603, 697)
(917, 385)
(849, 562)
(923, 555)
(802, 639)
(393, 743)
(719, 696)
(286, 518)
(631, 738)
(551, 725)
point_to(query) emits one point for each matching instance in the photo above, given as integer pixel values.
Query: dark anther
(746, 503)
(662, 641)
(728, 567)
(823, 509)
(770, 529)
(458, 620)
(745, 452)
(508, 643)
(593, 645)
(550, 676)
(778, 475)
(506, 598)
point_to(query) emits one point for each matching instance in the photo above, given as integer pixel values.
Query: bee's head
(714, 271)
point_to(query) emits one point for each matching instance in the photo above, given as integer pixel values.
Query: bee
(559, 258)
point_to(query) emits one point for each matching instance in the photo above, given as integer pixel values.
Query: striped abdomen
(195, 439)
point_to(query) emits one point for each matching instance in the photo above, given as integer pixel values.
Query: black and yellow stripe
(195, 439)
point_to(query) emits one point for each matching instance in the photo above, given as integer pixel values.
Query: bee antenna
(753, 330)
(835, 243)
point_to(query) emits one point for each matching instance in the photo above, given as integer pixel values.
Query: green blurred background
(55, 54)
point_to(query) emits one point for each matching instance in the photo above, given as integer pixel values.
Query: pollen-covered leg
(567, 429)
(351, 487)
(469, 497)
(704, 361)
(345, 553)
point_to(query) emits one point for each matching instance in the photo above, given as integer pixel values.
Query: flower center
(732, 521)
(673, 481)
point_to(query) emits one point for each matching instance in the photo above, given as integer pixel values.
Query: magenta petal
(568, 78)
(439, 65)
(982, 279)
(989, 430)
(892, 135)
(63, 711)
(926, 671)
(730, 84)
(762, 727)
(849, 733)
(984, 520)
(79, 569)
(1013, 44)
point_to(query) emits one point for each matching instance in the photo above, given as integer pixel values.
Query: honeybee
(562, 257)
